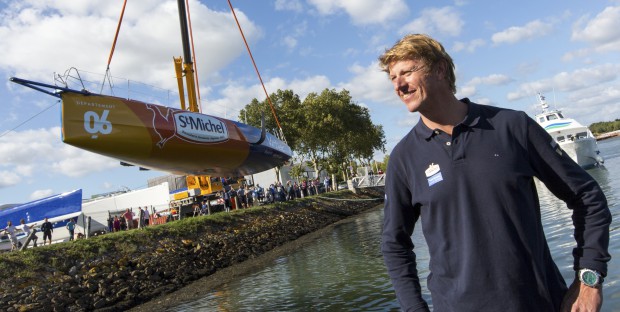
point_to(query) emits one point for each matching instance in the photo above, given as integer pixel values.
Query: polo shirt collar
(471, 120)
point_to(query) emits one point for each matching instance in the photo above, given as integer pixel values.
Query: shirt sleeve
(400, 217)
(572, 184)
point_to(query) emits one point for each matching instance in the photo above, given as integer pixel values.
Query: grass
(35, 262)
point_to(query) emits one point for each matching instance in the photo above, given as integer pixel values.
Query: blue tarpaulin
(49, 207)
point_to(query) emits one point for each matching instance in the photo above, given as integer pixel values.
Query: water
(344, 271)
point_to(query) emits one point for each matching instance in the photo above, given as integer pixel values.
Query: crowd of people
(129, 220)
(242, 197)
(46, 227)
(248, 196)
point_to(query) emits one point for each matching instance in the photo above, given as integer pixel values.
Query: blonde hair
(423, 48)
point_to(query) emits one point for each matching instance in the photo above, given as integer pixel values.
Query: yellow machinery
(201, 185)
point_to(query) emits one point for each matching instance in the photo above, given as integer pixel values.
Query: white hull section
(574, 138)
(583, 152)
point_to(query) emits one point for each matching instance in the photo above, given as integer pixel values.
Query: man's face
(410, 81)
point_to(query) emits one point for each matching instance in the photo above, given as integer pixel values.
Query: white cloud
(466, 91)
(483, 101)
(290, 42)
(578, 54)
(235, 97)
(470, 46)
(494, 79)
(408, 121)
(144, 49)
(469, 89)
(363, 12)
(436, 21)
(42, 151)
(9, 178)
(564, 81)
(289, 5)
(79, 163)
(516, 34)
(38, 194)
(371, 84)
(602, 32)
(603, 28)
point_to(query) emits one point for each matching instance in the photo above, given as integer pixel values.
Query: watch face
(589, 278)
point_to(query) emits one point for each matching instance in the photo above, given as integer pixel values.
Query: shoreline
(199, 288)
(171, 263)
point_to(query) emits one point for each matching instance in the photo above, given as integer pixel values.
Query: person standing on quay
(47, 228)
(10, 229)
(146, 216)
(27, 230)
(71, 227)
(128, 215)
(466, 171)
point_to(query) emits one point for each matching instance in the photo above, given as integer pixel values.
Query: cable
(27, 120)
(257, 72)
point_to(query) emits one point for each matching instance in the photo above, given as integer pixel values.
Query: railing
(369, 180)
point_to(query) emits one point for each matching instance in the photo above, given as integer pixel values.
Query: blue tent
(49, 207)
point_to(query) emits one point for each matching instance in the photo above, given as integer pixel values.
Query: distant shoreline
(608, 135)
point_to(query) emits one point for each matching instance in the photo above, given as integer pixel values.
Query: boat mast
(542, 102)
(184, 66)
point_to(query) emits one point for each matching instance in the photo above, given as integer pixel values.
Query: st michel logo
(188, 126)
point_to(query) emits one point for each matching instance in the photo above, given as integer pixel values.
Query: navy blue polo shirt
(475, 195)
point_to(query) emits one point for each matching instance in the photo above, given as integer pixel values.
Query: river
(344, 271)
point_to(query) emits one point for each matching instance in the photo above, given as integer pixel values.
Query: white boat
(574, 138)
(58, 209)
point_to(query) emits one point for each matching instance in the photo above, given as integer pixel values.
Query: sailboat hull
(167, 139)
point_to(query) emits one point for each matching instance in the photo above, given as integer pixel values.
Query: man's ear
(441, 69)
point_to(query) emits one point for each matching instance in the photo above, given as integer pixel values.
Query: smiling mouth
(406, 94)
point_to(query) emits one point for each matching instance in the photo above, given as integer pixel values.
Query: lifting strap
(118, 28)
(258, 73)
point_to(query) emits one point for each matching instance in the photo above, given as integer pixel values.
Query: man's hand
(582, 298)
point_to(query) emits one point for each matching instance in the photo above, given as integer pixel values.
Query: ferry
(574, 138)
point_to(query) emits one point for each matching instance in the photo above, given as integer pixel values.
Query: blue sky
(504, 53)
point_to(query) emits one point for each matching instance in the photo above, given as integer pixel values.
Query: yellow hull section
(158, 137)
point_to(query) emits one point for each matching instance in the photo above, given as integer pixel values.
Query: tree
(337, 131)
(329, 130)
(285, 104)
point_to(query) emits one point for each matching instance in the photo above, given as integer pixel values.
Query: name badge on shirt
(433, 174)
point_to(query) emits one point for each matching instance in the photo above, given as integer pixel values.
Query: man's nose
(398, 83)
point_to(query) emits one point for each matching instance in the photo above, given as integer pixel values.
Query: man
(128, 215)
(467, 172)
(10, 229)
(27, 230)
(71, 228)
(146, 216)
(47, 228)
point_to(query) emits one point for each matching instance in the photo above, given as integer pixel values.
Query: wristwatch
(590, 277)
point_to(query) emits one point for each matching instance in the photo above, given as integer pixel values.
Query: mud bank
(138, 269)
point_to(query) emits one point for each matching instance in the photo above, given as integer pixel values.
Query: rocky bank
(115, 272)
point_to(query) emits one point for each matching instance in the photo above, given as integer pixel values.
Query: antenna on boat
(543, 102)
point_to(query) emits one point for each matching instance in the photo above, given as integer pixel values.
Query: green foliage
(59, 258)
(605, 126)
(286, 104)
(328, 129)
